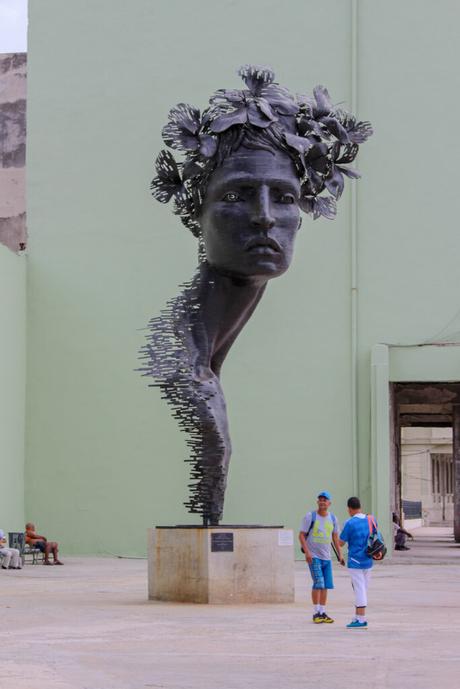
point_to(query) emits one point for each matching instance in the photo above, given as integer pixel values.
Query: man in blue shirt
(355, 533)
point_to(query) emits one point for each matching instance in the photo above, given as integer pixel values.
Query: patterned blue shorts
(321, 573)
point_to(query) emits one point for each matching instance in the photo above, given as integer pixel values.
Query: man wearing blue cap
(317, 530)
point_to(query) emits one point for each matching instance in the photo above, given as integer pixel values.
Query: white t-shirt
(319, 538)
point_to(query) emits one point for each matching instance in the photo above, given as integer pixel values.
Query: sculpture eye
(231, 197)
(286, 198)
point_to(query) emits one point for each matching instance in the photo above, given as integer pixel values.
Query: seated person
(11, 556)
(400, 534)
(36, 541)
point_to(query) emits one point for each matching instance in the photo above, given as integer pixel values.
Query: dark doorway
(428, 405)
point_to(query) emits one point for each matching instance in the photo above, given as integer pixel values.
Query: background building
(367, 302)
(427, 475)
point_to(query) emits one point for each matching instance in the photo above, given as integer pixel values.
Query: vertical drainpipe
(380, 437)
(354, 260)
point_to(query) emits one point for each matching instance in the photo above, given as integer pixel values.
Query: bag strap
(372, 524)
(335, 523)
(312, 524)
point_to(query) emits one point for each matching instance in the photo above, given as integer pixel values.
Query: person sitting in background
(36, 541)
(11, 556)
(400, 534)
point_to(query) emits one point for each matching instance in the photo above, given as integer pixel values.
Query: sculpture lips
(265, 244)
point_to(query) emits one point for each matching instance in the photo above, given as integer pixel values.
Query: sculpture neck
(226, 304)
(231, 283)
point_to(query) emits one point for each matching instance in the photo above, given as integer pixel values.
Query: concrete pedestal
(233, 564)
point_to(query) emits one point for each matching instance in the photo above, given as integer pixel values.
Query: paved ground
(432, 545)
(88, 626)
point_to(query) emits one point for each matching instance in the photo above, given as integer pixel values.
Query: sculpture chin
(266, 262)
(259, 263)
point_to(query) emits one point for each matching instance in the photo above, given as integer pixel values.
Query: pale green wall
(12, 388)
(428, 363)
(409, 86)
(104, 458)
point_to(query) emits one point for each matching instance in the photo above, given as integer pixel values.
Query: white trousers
(10, 556)
(360, 581)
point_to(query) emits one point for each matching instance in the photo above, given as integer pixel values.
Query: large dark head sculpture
(253, 160)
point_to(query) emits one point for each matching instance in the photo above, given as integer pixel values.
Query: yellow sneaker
(326, 619)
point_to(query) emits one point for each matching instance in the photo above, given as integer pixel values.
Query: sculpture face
(250, 215)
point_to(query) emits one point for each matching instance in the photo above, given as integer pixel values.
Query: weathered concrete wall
(256, 565)
(13, 150)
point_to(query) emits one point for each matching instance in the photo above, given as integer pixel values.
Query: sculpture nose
(261, 214)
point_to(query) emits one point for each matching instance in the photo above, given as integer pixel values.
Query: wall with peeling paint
(13, 87)
(104, 257)
(12, 388)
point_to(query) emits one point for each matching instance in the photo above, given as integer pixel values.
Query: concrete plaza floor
(88, 625)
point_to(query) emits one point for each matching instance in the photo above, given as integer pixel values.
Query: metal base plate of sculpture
(253, 160)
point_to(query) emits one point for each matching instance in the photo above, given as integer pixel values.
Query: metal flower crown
(322, 139)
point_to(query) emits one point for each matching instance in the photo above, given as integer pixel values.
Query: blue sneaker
(357, 625)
